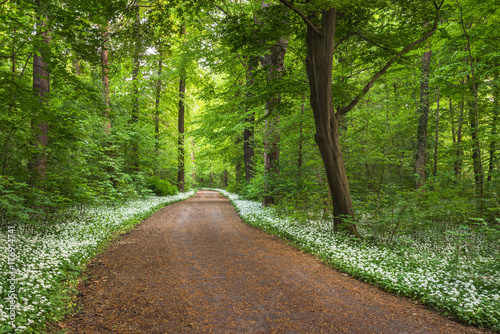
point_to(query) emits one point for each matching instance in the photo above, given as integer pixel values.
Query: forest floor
(195, 267)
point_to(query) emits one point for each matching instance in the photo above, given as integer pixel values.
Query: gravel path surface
(195, 267)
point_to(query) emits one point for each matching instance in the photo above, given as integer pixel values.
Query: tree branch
(303, 16)
(376, 44)
(222, 10)
(342, 40)
(343, 110)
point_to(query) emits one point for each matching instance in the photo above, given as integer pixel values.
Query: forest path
(195, 267)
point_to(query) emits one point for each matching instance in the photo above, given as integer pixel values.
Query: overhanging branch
(302, 15)
(343, 110)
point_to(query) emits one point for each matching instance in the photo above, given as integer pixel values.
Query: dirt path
(194, 267)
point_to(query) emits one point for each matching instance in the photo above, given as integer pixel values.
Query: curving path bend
(195, 267)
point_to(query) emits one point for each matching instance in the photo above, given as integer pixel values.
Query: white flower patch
(430, 271)
(43, 259)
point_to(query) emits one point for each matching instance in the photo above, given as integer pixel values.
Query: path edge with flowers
(490, 320)
(56, 285)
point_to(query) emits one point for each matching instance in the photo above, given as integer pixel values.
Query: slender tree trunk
(474, 118)
(105, 77)
(476, 150)
(493, 146)
(454, 135)
(274, 62)
(13, 59)
(193, 161)
(436, 139)
(135, 91)
(157, 107)
(248, 132)
(180, 143)
(493, 136)
(238, 171)
(423, 111)
(76, 63)
(41, 87)
(226, 179)
(459, 151)
(301, 143)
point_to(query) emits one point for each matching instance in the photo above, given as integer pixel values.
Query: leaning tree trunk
(423, 111)
(41, 87)
(320, 42)
(319, 64)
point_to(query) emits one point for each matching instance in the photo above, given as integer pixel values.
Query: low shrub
(161, 187)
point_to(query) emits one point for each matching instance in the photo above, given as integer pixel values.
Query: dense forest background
(363, 132)
(105, 101)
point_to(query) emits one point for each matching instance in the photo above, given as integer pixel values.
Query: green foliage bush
(161, 187)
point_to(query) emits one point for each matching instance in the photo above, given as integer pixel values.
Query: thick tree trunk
(180, 127)
(319, 63)
(105, 77)
(41, 87)
(248, 137)
(423, 111)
